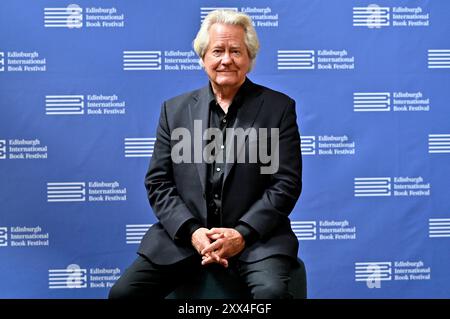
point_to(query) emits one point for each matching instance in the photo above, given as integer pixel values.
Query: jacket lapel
(245, 118)
(199, 113)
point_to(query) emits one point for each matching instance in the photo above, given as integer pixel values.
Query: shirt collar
(238, 98)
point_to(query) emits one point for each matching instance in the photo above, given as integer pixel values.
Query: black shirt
(216, 163)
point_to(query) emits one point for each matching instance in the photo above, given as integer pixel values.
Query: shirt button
(216, 195)
(222, 147)
(224, 120)
(218, 169)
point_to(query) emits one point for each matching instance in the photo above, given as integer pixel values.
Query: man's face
(226, 59)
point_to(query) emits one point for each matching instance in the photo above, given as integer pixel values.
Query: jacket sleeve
(279, 199)
(162, 193)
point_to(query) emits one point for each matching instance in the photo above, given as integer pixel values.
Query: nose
(226, 59)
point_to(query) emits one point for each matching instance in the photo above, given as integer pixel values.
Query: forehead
(219, 32)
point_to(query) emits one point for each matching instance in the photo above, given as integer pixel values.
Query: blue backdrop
(81, 84)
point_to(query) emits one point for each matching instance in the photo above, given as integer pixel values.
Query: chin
(227, 81)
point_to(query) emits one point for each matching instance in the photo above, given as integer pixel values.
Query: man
(223, 209)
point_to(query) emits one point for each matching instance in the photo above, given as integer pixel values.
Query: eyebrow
(221, 45)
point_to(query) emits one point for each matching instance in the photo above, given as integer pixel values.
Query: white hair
(201, 41)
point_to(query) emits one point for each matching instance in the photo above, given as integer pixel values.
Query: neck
(225, 94)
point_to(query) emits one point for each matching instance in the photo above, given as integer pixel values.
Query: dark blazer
(177, 191)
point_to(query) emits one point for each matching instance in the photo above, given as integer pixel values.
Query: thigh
(144, 279)
(267, 278)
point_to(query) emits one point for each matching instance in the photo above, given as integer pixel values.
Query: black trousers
(265, 279)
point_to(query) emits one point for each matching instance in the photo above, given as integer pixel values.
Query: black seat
(220, 283)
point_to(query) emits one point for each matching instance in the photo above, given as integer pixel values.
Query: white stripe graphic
(2, 61)
(69, 17)
(439, 227)
(2, 149)
(304, 230)
(371, 101)
(438, 143)
(308, 145)
(66, 192)
(365, 271)
(372, 16)
(372, 186)
(295, 59)
(134, 233)
(204, 11)
(71, 277)
(142, 60)
(139, 146)
(64, 104)
(439, 58)
(3, 236)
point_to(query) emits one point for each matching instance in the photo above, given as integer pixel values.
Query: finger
(214, 246)
(208, 260)
(215, 256)
(224, 263)
(216, 236)
(218, 259)
(214, 230)
(204, 243)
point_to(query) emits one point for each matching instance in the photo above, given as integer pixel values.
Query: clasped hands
(216, 245)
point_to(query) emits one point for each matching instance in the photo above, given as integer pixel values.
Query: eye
(216, 52)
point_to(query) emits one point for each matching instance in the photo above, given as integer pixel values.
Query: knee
(271, 289)
(119, 291)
